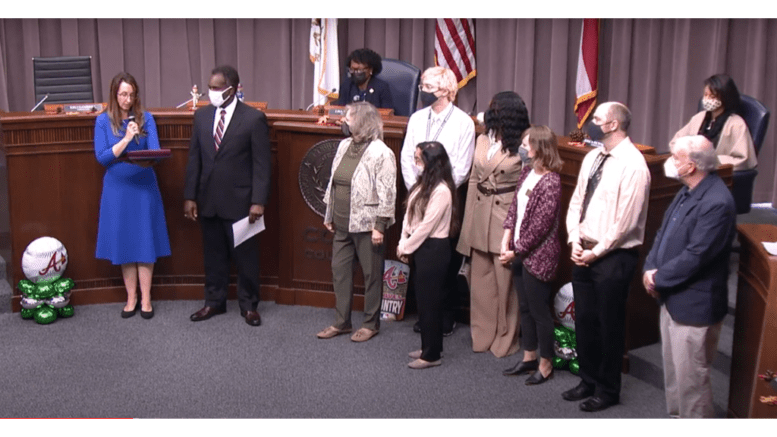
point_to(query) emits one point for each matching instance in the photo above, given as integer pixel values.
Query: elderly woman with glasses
(359, 201)
(131, 230)
(361, 85)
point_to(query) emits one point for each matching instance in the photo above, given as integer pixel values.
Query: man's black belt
(494, 191)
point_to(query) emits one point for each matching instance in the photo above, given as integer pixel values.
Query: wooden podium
(755, 324)
(54, 185)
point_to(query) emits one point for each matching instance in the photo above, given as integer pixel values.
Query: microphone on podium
(314, 103)
(39, 103)
(132, 119)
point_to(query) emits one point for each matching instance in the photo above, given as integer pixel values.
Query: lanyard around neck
(429, 124)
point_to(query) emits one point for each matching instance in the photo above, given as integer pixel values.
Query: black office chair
(403, 80)
(756, 117)
(66, 79)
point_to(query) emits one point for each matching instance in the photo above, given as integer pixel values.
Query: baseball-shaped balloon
(44, 260)
(564, 306)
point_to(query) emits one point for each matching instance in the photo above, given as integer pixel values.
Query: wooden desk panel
(755, 324)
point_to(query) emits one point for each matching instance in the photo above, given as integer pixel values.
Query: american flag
(587, 70)
(454, 47)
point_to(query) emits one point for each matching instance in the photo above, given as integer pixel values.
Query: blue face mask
(524, 154)
(595, 131)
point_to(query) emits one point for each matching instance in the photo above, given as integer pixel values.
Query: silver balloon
(30, 303)
(58, 301)
(566, 353)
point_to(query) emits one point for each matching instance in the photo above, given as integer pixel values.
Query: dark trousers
(218, 251)
(600, 292)
(431, 261)
(534, 298)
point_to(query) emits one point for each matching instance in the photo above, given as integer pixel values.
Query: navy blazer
(692, 277)
(225, 183)
(378, 93)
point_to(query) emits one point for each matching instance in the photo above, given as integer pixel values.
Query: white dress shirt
(616, 215)
(457, 136)
(227, 117)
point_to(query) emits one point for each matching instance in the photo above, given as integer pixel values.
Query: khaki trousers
(688, 354)
(494, 318)
(345, 247)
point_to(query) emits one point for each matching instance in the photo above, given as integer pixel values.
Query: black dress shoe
(537, 378)
(417, 327)
(578, 393)
(147, 314)
(596, 403)
(252, 317)
(447, 331)
(522, 367)
(206, 313)
(128, 314)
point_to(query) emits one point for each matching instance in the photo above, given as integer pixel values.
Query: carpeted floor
(98, 365)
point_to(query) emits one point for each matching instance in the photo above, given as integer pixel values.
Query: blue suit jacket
(378, 93)
(692, 277)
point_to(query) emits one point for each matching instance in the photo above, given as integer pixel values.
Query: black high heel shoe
(522, 367)
(537, 378)
(128, 314)
(147, 314)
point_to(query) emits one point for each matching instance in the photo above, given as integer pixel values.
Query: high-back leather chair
(66, 79)
(756, 117)
(403, 79)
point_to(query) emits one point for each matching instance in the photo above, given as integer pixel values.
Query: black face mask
(427, 98)
(346, 129)
(595, 131)
(359, 78)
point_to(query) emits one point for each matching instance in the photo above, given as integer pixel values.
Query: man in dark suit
(687, 271)
(227, 179)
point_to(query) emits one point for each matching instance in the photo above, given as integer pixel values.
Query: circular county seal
(314, 173)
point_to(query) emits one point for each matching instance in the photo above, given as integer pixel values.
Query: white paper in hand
(242, 230)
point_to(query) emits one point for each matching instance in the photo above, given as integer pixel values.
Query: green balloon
(27, 313)
(46, 291)
(558, 362)
(26, 287)
(64, 285)
(45, 315)
(66, 311)
(574, 366)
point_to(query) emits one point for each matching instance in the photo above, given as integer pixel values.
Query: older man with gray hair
(687, 271)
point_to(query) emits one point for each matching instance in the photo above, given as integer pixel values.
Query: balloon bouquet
(565, 344)
(45, 294)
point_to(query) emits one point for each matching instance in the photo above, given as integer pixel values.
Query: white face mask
(670, 170)
(710, 104)
(417, 169)
(217, 97)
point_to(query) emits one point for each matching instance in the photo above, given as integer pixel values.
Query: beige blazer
(484, 215)
(735, 145)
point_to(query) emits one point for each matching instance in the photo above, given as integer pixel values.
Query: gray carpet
(98, 365)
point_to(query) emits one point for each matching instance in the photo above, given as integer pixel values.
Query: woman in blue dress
(132, 231)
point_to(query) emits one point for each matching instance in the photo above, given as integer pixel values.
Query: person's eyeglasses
(426, 88)
(352, 71)
(126, 95)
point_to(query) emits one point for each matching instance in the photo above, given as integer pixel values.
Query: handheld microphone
(132, 119)
(39, 103)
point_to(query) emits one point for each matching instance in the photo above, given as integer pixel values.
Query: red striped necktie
(220, 129)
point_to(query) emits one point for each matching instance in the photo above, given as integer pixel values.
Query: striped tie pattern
(220, 129)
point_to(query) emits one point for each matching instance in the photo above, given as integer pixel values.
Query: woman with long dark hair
(720, 124)
(496, 168)
(132, 231)
(430, 218)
